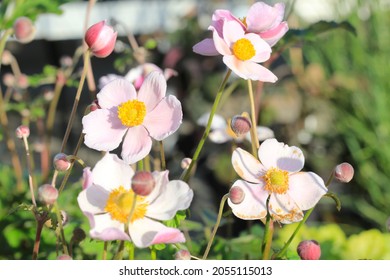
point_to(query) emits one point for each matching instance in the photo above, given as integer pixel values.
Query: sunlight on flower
(131, 117)
(277, 174)
(115, 212)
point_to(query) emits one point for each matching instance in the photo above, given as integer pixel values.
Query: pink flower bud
(182, 255)
(240, 125)
(309, 250)
(344, 172)
(64, 258)
(22, 81)
(9, 79)
(142, 183)
(22, 131)
(24, 30)
(61, 162)
(236, 195)
(47, 194)
(101, 39)
(185, 163)
(94, 105)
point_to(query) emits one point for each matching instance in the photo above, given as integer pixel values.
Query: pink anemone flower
(277, 175)
(116, 213)
(132, 118)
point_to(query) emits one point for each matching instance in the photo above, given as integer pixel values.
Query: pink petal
(253, 206)
(232, 31)
(306, 189)
(284, 209)
(106, 229)
(175, 196)
(220, 44)
(272, 36)
(249, 70)
(262, 17)
(205, 47)
(87, 177)
(247, 166)
(116, 92)
(103, 130)
(220, 17)
(263, 50)
(93, 199)
(279, 155)
(165, 119)
(111, 172)
(145, 232)
(153, 89)
(136, 144)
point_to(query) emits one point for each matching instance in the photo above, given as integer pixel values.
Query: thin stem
(30, 178)
(162, 155)
(4, 39)
(105, 246)
(267, 238)
(90, 78)
(131, 251)
(187, 172)
(258, 95)
(119, 253)
(220, 212)
(76, 101)
(61, 229)
(40, 224)
(153, 253)
(255, 140)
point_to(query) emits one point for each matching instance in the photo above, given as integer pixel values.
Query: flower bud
(9, 79)
(47, 194)
(240, 125)
(182, 255)
(185, 163)
(236, 195)
(94, 105)
(64, 257)
(22, 81)
(7, 57)
(22, 131)
(101, 39)
(78, 235)
(61, 162)
(24, 30)
(309, 250)
(344, 172)
(142, 183)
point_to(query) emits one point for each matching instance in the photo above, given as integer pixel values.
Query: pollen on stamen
(276, 181)
(132, 112)
(243, 49)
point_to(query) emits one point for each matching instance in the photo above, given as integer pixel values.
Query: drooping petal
(262, 17)
(111, 172)
(136, 144)
(263, 50)
(153, 90)
(253, 206)
(106, 229)
(165, 119)
(93, 199)
(175, 196)
(145, 232)
(306, 189)
(232, 31)
(103, 130)
(116, 92)
(247, 166)
(284, 209)
(205, 47)
(276, 154)
(272, 36)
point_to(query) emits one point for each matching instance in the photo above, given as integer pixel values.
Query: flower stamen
(276, 181)
(132, 112)
(243, 49)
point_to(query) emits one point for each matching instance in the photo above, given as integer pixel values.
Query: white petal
(220, 136)
(153, 89)
(218, 122)
(284, 209)
(247, 166)
(116, 92)
(136, 144)
(279, 155)
(253, 206)
(104, 228)
(306, 189)
(93, 199)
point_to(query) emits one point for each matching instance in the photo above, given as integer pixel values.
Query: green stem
(4, 39)
(105, 247)
(186, 173)
(153, 253)
(131, 250)
(76, 101)
(62, 234)
(162, 155)
(220, 212)
(267, 238)
(119, 253)
(255, 140)
(282, 252)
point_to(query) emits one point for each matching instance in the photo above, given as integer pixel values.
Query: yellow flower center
(243, 49)
(276, 181)
(132, 112)
(124, 206)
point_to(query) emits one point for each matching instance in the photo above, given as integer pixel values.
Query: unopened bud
(61, 162)
(142, 183)
(22, 81)
(7, 57)
(344, 172)
(182, 255)
(185, 163)
(64, 257)
(24, 30)
(22, 131)
(94, 105)
(9, 79)
(240, 125)
(309, 250)
(78, 235)
(101, 39)
(236, 195)
(47, 194)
